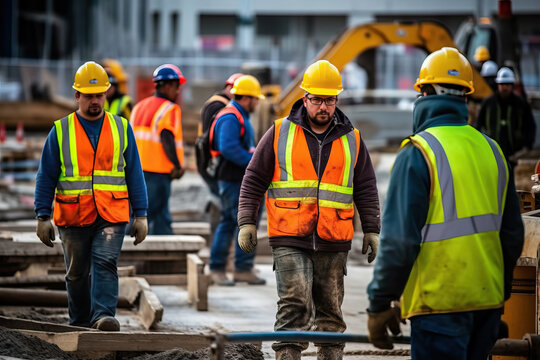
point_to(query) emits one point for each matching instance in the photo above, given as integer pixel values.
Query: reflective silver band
(296, 192)
(352, 150)
(122, 140)
(66, 153)
(335, 196)
(74, 185)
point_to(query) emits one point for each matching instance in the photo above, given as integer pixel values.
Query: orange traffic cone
(19, 133)
(2, 133)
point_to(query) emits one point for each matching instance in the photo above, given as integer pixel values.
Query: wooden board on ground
(122, 341)
(197, 283)
(24, 324)
(166, 279)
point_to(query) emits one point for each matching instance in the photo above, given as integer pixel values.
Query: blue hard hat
(168, 72)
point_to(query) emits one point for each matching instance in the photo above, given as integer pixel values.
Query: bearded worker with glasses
(315, 167)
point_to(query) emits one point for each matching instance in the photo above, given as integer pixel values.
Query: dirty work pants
(310, 290)
(466, 335)
(159, 190)
(227, 231)
(91, 256)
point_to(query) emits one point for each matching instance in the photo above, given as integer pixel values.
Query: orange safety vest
(149, 117)
(228, 109)
(299, 201)
(91, 182)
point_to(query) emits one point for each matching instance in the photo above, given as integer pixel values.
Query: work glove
(45, 231)
(139, 229)
(177, 173)
(247, 237)
(371, 240)
(379, 322)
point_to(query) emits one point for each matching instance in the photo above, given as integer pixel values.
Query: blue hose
(313, 336)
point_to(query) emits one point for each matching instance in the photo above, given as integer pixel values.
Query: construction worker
(115, 68)
(451, 230)
(481, 55)
(507, 118)
(232, 146)
(315, 167)
(489, 72)
(91, 168)
(117, 103)
(157, 124)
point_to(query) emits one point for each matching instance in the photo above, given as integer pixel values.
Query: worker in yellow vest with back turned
(451, 229)
(90, 168)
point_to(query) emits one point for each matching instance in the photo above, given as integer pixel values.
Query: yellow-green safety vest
(460, 264)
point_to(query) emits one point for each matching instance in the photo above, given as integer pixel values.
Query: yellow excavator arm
(429, 36)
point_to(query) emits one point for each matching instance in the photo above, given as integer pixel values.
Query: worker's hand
(177, 173)
(139, 229)
(45, 232)
(379, 322)
(371, 240)
(247, 237)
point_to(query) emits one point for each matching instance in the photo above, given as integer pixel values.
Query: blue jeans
(227, 230)
(91, 256)
(159, 190)
(455, 336)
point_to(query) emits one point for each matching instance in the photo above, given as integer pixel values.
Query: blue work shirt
(228, 141)
(407, 204)
(49, 169)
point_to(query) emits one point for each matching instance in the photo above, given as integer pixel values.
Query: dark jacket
(408, 203)
(210, 110)
(508, 121)
(260, 171)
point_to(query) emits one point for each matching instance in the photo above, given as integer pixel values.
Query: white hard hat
(489, 69)
(505, 76)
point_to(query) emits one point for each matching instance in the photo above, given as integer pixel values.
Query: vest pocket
(67, 210)
(291, 217)
(67, 199)
(336, 224)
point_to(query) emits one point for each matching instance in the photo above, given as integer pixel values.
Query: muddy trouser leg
(329, 269)
(294, 277)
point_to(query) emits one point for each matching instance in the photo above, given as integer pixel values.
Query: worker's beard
(321, 120)
(94, 110)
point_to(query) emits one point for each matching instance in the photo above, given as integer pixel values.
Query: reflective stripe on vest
(116, 106)
(453, 226)
(69, 182)
(301, 202)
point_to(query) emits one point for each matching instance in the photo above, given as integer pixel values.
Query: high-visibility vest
(119, 106)
(91, 182)
(228, 109)
(460, 264)
(300, 201)
(149, 117)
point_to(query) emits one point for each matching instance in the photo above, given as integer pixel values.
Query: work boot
(220, 278)
(288, 353)
(107, 323)
(329, 353)
(248, 276)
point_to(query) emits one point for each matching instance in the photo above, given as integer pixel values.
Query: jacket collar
(439, 110)
(340, 126)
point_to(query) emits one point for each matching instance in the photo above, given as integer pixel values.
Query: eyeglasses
(331, 101)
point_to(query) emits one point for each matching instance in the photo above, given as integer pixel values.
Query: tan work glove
(379, 322)
(45, 232)
(177, 173)
(139, 229)
(247, 237)
(371, 240)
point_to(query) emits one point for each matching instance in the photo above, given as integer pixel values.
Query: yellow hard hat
(115, 68)
(481, 54)
(247, 85)
(91, 78)
(446, 66)
(322, 78)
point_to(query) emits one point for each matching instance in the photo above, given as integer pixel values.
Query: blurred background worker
(117, 103)
(481, 55)
(232, 145)
(315, 167)
(507, 118)
(489, 72)
(91, 204)
(157, 124)
(452, 230)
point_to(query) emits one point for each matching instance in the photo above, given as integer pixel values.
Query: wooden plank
(165, 279)
(122, 341)
(39, 281)
(150, 309)
(24, 324)
(197, 283)
(532, 234)
(129, 288)
(38, 297)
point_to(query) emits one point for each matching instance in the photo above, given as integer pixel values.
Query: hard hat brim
(452, 81)
(322, 91)
(92, 90)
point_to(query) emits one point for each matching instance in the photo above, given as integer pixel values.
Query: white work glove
(247, 237)
(139, 229)
(45, 232)
(371, 240)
